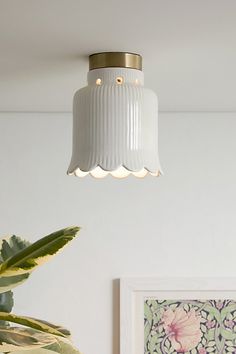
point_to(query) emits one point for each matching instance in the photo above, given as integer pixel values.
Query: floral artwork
(189, 326)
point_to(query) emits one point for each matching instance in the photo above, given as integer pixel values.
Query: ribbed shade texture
(115, 128)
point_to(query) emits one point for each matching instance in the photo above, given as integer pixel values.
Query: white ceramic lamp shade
(115, 125)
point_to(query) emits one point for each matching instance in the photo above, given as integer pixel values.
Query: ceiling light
(115, 127)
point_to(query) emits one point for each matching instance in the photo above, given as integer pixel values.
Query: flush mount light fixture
(115, 120)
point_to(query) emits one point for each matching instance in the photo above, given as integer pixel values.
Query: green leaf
(17, 338)
(38, 351)
(11, 246)
(8, 283)
(227, 334)
(62, 346)
(226, 310)
(67, 347)
(26, 260)
(154, 305)
(153, 342)
(49, 349)
(35, 324)
(6, 304)
(210, 334)
(214, 312)
(147, 330)
(59, 328)
(6, 301)
(148, 313)
(55, 347)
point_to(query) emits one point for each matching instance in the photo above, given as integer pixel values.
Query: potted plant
(18, 259)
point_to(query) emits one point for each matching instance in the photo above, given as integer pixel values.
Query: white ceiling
(188, 48)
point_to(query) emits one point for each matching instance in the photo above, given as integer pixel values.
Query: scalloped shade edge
(120, 172)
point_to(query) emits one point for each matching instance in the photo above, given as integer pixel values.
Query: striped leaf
(62, 346)
(50, 349)
(27, 259)
(39, 351)
(7, 283)
(6, 304)
(6, 301)
(35, 324)
(67, 347)
(65, 332)
(13, 339)
(9, 246)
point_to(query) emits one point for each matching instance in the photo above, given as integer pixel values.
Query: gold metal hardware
(115, 59)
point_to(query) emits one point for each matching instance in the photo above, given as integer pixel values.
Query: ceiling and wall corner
(188, 50)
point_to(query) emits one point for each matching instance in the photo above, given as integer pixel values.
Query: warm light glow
(120, 172)
(80, 173)
(98, 172)
(98, 81)
(142, 173)
(119, 80)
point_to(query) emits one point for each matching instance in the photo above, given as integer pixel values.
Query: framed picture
(180, 315)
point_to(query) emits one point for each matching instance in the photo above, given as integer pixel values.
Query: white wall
(182, 224)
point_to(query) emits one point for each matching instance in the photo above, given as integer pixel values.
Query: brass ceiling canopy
(114, 60)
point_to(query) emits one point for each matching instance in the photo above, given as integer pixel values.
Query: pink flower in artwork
(210, 324)
(229, 323)
(182, 328)
(202, 351)
(219, 304)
